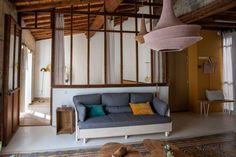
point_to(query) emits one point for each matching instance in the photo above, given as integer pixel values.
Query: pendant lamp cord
(142, 6)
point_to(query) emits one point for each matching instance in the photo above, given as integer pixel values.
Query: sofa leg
(167, 133)
(126, 137)
(84, 140)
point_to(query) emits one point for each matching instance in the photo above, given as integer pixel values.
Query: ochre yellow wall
(198, 81)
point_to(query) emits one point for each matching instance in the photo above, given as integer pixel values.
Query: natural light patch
(48, 117)
(36, 114)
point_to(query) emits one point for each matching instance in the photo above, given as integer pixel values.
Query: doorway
(35, 95)
(178, 81)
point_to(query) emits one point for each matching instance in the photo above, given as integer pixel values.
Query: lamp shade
(170, 34)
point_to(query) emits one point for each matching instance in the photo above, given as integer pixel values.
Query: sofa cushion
(141, 97)
(118, 109)
(141, 108)
(95, 110)
(122, 120)
(115, 99)
(214, 95)
(160, 106)
(87, 99)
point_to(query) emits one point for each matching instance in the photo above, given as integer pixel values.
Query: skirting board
(124, 131)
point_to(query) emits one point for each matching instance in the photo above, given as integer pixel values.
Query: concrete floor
(38, 114)
(44, 138)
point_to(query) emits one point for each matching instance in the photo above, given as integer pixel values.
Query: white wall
(64, 96)
(42, 59)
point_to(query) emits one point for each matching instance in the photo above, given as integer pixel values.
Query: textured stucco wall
(185, 6)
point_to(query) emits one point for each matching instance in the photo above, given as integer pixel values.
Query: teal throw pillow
(95, 111)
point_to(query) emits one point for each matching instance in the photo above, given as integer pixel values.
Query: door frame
(7, 131)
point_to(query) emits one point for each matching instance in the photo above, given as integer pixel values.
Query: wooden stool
(108, 149)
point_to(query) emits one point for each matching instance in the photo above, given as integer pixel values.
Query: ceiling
(218, 15)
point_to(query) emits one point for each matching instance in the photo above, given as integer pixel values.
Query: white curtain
(228, 79)
(59, 56)
(111, 59)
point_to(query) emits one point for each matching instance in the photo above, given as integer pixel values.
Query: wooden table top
(154, 146)
(108, 149)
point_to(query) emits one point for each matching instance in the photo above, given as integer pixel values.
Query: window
(92, 47)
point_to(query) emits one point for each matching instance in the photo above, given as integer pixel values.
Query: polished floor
(32, 139)
(38, 114)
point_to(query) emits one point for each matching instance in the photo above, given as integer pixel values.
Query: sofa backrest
(115, 102)
(87, 99)
(141, 97)
(115, 99)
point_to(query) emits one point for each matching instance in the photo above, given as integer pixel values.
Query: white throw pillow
(214, 95)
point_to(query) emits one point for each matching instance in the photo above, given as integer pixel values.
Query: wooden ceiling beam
(56, 4)
(99, 21)
(213, 8)
(219, 17)
(47, 25)
(217, 25)
(66, 20)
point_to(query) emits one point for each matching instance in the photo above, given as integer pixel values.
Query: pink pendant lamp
(170, 34)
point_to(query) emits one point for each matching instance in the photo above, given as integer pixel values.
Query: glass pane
(97, 59)
(129, 24)
(11, 57)
(156, 7)
(144, 64)
(144, 10)
(42, 66)
(147, 24)
(16, 64)
(67, 52)
(129, 58)
(80, 59)
(117, 23)
(113, 23)
(62, 56)
(113, 58)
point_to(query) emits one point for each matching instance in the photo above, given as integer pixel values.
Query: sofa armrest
(161, 107)
(80, 111)
(168, 113)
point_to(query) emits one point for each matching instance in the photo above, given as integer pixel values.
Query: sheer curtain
(228, 60)
(59, 58)
(111, 56)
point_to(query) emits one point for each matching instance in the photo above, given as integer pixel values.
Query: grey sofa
(119, 119)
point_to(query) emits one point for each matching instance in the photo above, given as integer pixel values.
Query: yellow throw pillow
(141, 108)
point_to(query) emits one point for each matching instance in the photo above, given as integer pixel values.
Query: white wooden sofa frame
(125, 131)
